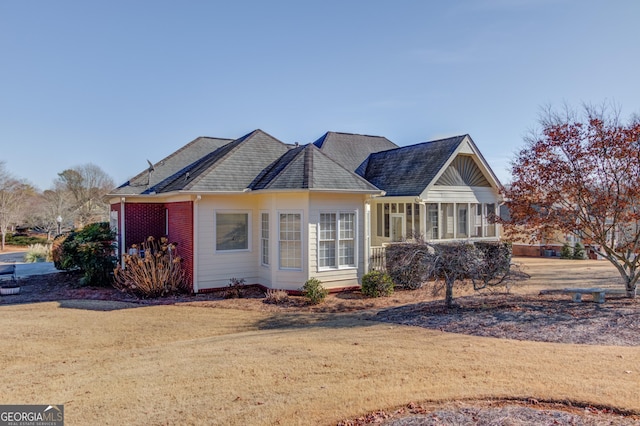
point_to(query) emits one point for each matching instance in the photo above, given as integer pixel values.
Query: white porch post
(439, 216)
(367, 235)
(455, 220)
(468, 220)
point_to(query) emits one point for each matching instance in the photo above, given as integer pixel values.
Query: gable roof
(350, 150)
(407, 171)
(306, 167)
(165, 168)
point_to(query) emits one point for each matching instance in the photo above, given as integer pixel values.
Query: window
(336, 240)
(232, 231)
(290, 240)
(264, 238)
(327, 240)
(347, 239)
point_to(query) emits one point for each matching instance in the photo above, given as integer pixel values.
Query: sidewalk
(26, 269)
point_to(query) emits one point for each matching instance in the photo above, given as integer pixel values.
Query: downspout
(194, 275)
(123, 248)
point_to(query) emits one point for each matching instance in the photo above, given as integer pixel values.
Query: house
(278, 214)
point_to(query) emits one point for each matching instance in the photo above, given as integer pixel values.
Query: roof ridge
(174, 154)
(319, 151)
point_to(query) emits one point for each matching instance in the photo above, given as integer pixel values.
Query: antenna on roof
(149, 171)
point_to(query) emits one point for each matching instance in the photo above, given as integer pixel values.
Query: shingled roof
(350, 150)
(167, 167)
(230, 168)
(407, 171)
(306, 167)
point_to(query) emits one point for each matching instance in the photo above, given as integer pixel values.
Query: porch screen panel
(447, 220)
(432, 221)
(290, 241)
(490, 226)
(409, 221)
(461, 228)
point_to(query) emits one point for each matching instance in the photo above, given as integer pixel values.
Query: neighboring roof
(306, 167)
(407, 171)
(230, 168)
(193, 151)
(350, 150)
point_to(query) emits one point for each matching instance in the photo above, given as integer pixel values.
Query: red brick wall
(143, 220)
(523, 250)
(181, 232)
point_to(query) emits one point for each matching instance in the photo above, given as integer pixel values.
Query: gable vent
(463, 171)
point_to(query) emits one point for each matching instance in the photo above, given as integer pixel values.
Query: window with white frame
(290, 240)
(337, 240)
(327, 240)
(232, 231)
(264, 238)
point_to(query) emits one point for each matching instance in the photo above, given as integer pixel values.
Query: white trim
(195, 240)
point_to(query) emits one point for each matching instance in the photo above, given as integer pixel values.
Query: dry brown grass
(188, 364)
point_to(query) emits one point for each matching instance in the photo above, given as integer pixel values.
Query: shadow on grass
(97, 305)
(316, 320)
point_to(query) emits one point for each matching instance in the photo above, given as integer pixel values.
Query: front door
(397, 227)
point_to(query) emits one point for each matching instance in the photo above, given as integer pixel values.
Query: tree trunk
(631, 290)
(449, 294)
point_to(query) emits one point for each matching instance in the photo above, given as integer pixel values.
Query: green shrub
(376, 284)
(314, 291)
(23, 240)
(91, 250)
(38, 253)
(566, 252)
(578, 251)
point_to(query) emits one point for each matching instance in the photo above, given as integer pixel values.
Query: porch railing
(377, 259)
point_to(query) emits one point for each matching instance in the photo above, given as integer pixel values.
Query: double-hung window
(290, 240)
(337, 240)
(264, 238)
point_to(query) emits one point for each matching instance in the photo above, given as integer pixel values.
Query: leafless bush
(276, 297)
(486, 264)
(152, 269)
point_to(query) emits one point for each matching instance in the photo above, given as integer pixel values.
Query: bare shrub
(276, 297)
(236, 289)
(152, 269)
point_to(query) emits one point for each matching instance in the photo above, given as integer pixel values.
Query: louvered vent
(463, 171)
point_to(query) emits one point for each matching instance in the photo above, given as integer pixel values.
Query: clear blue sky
(117, 82)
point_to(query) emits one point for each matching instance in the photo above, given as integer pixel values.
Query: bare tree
(484, 264)
(13, 194)
(87, 186)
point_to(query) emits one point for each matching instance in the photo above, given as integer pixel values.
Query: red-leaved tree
(581, 175)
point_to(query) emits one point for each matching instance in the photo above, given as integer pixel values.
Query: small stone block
(577, 297)
(598, 297)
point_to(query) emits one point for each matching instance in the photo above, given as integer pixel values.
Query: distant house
(277, 214)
